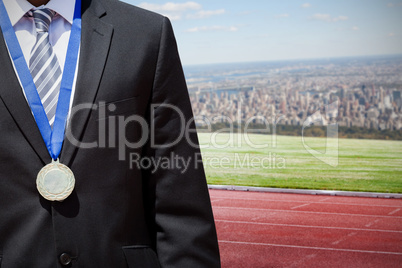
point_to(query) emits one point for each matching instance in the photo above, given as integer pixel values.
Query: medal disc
(55, 181)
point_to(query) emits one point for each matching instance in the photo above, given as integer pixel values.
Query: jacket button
(65, 259)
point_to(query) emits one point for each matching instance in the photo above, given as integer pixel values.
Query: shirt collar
(65, 8)
(16, 9)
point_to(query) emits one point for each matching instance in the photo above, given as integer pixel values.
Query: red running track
(292, 230)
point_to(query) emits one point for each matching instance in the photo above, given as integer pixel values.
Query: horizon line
(296, 59)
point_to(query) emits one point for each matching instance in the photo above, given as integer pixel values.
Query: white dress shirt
(59, 29)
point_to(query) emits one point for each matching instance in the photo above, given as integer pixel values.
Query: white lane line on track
(311, 212)
(372, 223)
(306, 247)
(301, 260)
(395, 211)
(344, 238)
(325, 199)
(310, 226)
(311, 202)
(300, 206)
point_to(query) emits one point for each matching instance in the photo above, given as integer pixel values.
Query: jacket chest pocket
(124, 107)
(141, 256)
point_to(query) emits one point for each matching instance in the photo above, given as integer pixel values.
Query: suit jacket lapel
(14, 100)
(95, 42)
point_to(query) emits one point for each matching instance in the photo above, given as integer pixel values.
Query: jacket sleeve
(183, 222)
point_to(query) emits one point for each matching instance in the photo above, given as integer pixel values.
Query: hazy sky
(222, 31)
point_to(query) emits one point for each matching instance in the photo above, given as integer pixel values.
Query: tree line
(310, 131)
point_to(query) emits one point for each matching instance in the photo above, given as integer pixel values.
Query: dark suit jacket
(118, 215)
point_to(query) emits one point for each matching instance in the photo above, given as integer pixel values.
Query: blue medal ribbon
(53, 138)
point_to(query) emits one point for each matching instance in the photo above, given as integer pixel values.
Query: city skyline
(353, 92)
(225, 31)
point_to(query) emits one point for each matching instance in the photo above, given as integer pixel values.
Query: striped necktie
(43, 64)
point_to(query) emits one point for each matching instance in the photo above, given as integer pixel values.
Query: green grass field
(363, 165)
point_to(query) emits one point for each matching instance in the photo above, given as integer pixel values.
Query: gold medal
(55, 181)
